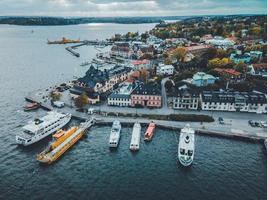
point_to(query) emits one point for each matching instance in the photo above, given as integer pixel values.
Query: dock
(70, 49)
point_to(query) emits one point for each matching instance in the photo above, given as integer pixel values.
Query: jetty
(70, 49)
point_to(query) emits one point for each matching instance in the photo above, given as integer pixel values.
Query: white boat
(40, 128)
(115, 133)
(186, 148)
(136, 135)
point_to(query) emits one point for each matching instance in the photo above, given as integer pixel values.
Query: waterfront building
(121, 50)
(202, 79)
(234, 101)
(163, 69)
(93, 97)
(186, 99)
(198, 49)
(122, 96)
(148, 95)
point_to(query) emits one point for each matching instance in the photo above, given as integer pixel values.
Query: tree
(81, 101)
(179, 53)
(241, 67)
(143, 75)
(168, 85)
(55, 96)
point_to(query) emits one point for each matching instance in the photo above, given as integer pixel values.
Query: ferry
(31, 106)
(40, 128)
(63, 41)
(63, 141)
(136, 134)
(186, 146)
(150, 131)
(115, 134)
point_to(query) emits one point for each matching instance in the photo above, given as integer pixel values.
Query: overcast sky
(96, 8)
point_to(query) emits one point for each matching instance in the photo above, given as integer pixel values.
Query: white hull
(114, 137)
(37, 137)
(186, 147)
(136, 135)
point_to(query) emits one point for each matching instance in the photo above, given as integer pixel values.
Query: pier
(70, 49)
(237, 129)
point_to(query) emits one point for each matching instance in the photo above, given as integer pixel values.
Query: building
(259, 70)
(146, 95)
(220, 41)
(122, 96)
(121, 50)
(230, 74)
(201, 79)
(256, 54)
(238, 57)
(163, 69)
(141, 64)
(186, 99)
(198, 49)
(146, 51)
(234, 101)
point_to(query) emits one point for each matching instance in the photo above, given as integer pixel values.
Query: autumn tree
(55, 96)
(81, 101)
(179, 53)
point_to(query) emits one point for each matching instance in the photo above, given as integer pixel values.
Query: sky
(108, 8)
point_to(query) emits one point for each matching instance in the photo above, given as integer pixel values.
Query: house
(238, 57)
(234, 101)
(201, 79)
(258, 70)
(122, 96)
(220, 42)
(148, 95)
(197, 49)
(230, 74)
(146, 51)
(141, 64)
(121, 50)
(256, 54)
(104, 81)
(163, 69)
(186, 99)
(204, 38)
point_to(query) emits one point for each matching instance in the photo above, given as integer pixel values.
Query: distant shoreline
(62, 21)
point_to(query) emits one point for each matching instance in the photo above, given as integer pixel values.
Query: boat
(135, 141)
(40, 128)
(31, 106)
(62, 142)
(114, 137)
(63, 41)
(264, 125)
(186, 147)
(150, 131)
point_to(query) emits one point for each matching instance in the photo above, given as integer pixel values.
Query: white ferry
(136, 134)
(40, 128)
(115, 132)
(186, 146)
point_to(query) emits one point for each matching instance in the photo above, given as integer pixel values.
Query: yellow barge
(63, 141)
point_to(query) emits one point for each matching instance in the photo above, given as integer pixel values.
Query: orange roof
(140, 62)
(232, 72)
(135, 74)
(259, 66)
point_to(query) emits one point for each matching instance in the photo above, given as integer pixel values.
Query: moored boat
(186, 147)
(63, 41)
(40, 128)
(136, 134)
(31, 106)
(64, 140)
(150, 131)
(114, 137)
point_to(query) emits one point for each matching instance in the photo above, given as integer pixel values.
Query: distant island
(56, 21)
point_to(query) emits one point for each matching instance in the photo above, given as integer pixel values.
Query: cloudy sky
(131, 7)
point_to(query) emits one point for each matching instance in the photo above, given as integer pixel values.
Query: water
(222, 169)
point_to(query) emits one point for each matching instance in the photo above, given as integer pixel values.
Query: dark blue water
(222, 169)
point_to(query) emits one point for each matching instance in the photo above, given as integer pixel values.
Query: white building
(122, 96)
(165, 69)
(186, 99)
(234, 101)
(220, 41)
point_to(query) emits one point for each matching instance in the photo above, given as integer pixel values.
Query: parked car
(221, 121)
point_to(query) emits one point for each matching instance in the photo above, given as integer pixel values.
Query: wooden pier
(70, 49)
